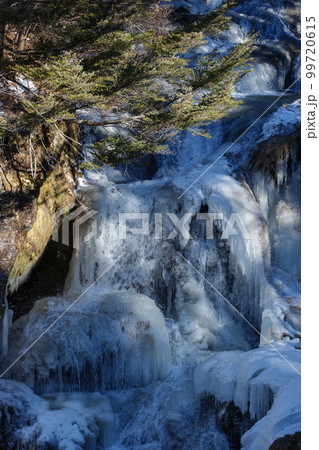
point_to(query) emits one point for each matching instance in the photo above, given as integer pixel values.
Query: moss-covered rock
(37, 176)
(17, 215)
(56, 192)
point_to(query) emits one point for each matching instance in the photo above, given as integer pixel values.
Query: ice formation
(278, 191)
(63, 421)
(235, 267)
(264, 381)
(116, 337)
(105, 341)
(5, 324)
(166, 416)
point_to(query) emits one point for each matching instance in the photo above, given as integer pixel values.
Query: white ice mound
(284, 120)
(65, 421)
(105, 341)
(263, 382)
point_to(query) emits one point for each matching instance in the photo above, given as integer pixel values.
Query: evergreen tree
(126, 58)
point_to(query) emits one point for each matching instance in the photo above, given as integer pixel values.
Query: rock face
(33, 196)
(288, 442)
(106, 341)
(56, 192)
(234, 423)
(18, 212)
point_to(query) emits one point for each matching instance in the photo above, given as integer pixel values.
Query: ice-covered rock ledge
(274, 163)
(104, 341)
(260, 382)
(63, 421)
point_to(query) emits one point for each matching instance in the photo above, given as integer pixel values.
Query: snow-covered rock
(284, 121)
(264, 382)
(104, 341)
(61, 421)
(281, 316)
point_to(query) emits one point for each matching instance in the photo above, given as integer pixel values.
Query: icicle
(5, 327)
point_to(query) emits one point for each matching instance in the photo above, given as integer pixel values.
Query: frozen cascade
(259, 381)
(106, 341)
(155, 268)
(153, 359)
(277, 44)
(239, 268)
(276, 182)
(166, 415)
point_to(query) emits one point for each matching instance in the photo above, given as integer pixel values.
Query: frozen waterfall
(184, 323)
(106, 341)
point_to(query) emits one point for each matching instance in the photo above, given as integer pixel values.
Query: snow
(25, 84)
(264, 382)
(235, 34)
(62, 421)
(105, 341)
(282, 311)
(283, 121)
